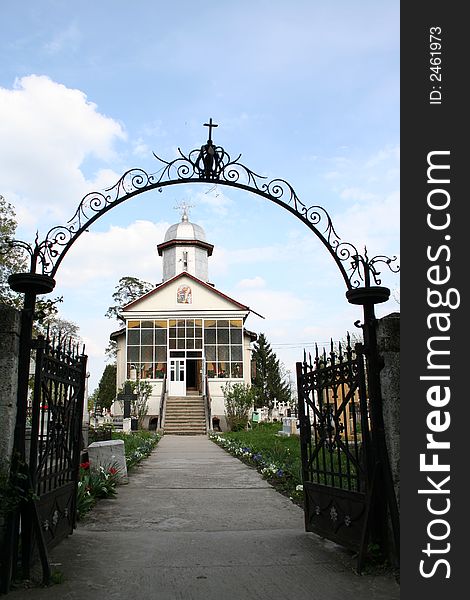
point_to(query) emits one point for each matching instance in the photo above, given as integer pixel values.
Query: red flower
(112, 470)
(85, 465)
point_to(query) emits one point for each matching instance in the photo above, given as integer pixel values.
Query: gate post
(388, 339)
(9, 349)
(384, 493)
(30, 284)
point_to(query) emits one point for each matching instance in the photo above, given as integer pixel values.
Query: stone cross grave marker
(127, 396)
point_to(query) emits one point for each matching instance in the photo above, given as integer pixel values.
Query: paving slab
(196, 523)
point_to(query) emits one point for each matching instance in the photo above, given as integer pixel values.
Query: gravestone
(289, 426)
(109, 454)
(127, 397)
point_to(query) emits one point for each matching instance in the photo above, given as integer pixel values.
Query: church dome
(185, 230)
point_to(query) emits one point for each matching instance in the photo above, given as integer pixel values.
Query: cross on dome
(184, 208)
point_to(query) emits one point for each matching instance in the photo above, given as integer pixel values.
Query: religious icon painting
(184, 295)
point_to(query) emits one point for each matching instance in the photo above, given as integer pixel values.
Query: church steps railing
(163, 397)
(207, 405)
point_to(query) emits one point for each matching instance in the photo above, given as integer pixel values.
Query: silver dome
(184, 230)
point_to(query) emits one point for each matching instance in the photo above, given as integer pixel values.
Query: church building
(185, 337)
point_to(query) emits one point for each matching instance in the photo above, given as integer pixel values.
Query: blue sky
(307, 91)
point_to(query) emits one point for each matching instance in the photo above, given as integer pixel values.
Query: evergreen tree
(268, 383)
(107, 387)
(92, 400)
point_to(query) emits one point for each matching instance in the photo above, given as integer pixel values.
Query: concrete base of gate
(109, 454)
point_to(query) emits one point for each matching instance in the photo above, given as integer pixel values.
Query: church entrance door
(177, 384)
(193, 375)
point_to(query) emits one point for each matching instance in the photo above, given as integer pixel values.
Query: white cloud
(47, 131)
(255, 282)
(98, 257)
(218, 202)
(275, 305)
(140, 148)
(375, 224)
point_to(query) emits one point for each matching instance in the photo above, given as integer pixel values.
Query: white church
(185, 337)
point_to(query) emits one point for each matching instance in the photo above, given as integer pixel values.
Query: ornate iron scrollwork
(212, 164)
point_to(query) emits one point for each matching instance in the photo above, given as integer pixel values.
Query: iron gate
(335, 445)
(56, 437)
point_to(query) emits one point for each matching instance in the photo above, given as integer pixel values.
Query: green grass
(137, 445)
(262, 448)
(283, 451)
(276, 458)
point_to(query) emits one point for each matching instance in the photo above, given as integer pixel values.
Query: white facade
(185, 331)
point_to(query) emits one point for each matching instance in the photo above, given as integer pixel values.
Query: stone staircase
(185, 415)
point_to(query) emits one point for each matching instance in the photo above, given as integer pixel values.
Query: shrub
(238, 400)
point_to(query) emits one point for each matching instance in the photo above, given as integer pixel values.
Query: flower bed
(137, 445)
(276, 459)
(95, 484)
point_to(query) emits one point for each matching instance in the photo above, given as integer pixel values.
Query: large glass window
(223, 345)
(146, 349)
(185, 334)
(148, 342)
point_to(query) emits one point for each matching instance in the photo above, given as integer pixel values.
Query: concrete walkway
(196, 523)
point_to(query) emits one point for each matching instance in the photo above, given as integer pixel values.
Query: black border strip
(425, 128)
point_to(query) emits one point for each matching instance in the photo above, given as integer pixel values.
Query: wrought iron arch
(208, 164)
(212, 164)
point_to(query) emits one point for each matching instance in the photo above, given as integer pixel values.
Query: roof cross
(183, 207)
(210, 125)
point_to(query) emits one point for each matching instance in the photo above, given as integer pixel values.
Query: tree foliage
(238, 400)
(268, 383)
(107, 388)
(127, 290)
(92, 400)
(59, 328)
(111, 351)
(12, 260)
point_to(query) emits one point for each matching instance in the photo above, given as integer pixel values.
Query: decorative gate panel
(335, 446)
(56, 433)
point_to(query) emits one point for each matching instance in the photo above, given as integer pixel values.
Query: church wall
(216, 385)
(185, 258)
(153, 401)
(121, 361)
(169, 263)
(200, 264)
(202, 299)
